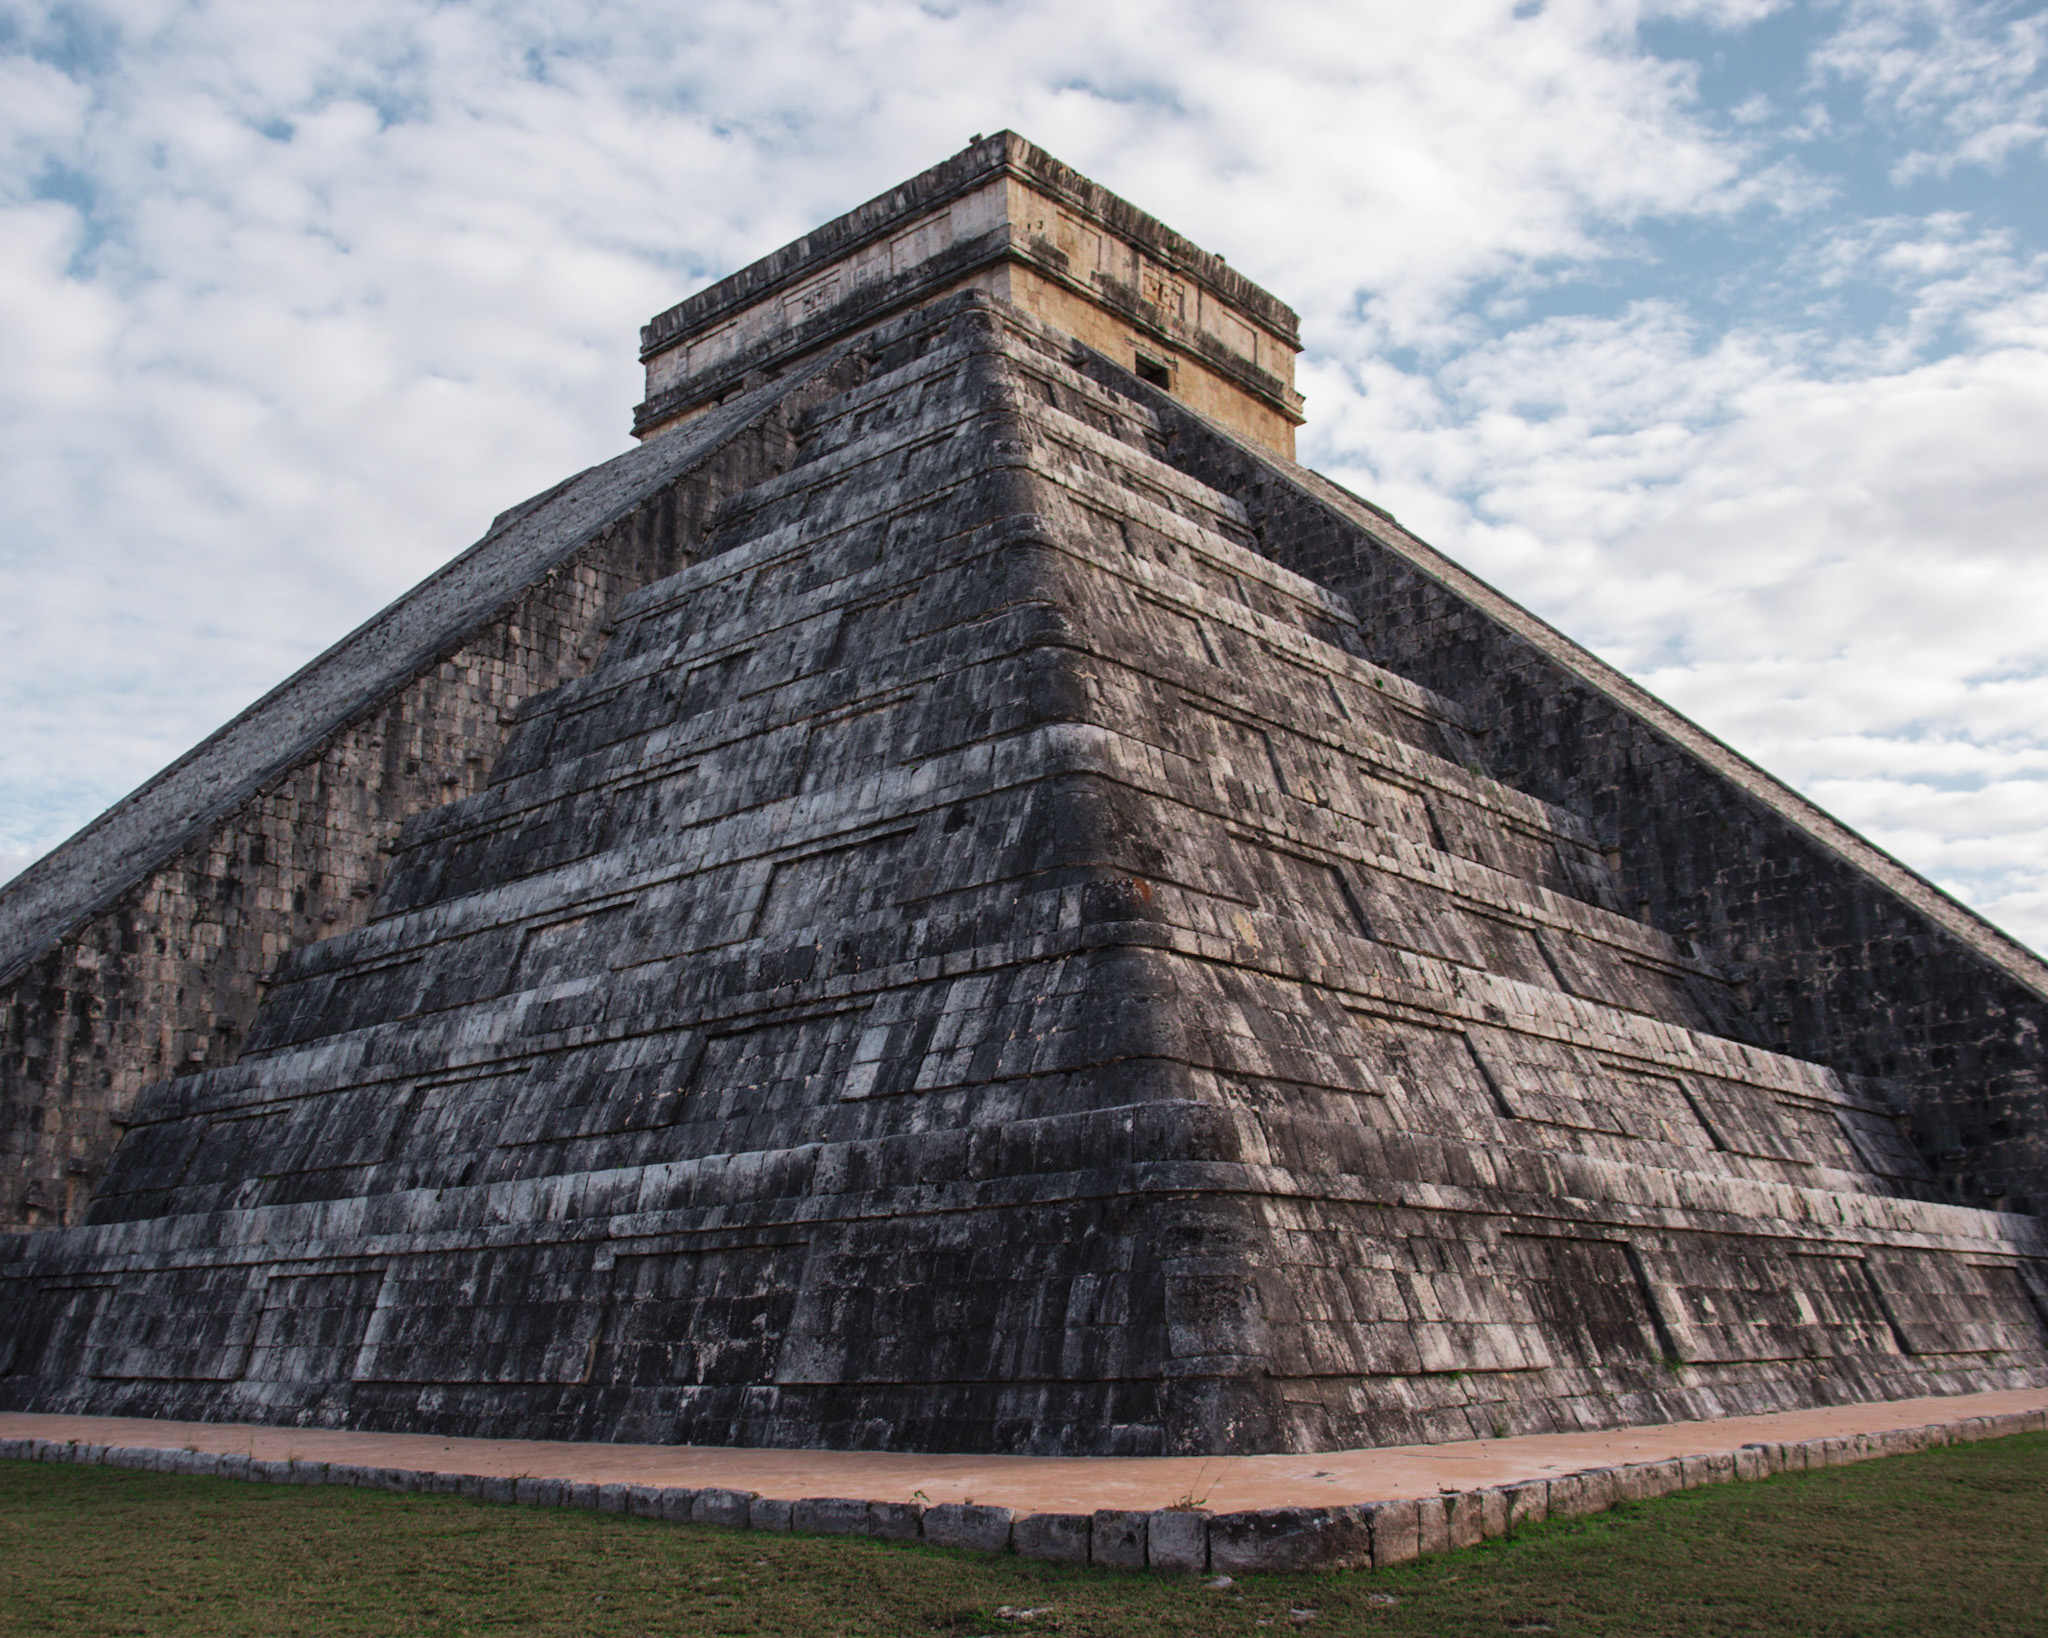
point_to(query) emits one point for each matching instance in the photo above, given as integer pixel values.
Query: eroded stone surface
(986, 961)
(138, 949)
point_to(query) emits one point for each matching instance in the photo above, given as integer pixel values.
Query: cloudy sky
(1714, 330)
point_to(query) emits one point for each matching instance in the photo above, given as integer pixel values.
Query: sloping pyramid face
(984, 964)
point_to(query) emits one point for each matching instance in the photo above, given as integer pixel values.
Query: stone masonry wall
(165, 981)
(1832, 965)
(985, 962)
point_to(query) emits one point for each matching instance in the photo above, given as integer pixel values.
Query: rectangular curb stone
(1464, 1519)
(1290, 1538)
(643, 1501)
(1591, 1491)
(829, 1516)
(718, 1505)
(963, 1524)
(1568, 1498)
(769, 1513)
(1116, 1539)
(895, 1521)
(1177, 1538)
(678, 1504)
(1433, 1525)
(1396, 1531)
(1527, 1503)
(1061, 1537)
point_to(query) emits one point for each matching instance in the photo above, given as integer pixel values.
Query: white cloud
(1974, 71)
(1839, 570)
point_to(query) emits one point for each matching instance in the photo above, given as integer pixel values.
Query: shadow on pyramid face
(986, 961)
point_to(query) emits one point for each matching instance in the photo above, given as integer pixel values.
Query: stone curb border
(1360, 1536)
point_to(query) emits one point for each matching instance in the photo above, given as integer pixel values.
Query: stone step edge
(1188, 1539)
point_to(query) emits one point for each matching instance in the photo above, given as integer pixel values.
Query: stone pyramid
(996, 955)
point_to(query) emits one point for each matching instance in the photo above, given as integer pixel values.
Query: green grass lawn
(1954, 1541)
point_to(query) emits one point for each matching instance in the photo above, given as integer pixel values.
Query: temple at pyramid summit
(955, 898)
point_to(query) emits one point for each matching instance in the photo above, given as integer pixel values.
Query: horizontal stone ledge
(1186, 1540)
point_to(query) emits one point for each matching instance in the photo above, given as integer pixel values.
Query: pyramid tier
(985, 963)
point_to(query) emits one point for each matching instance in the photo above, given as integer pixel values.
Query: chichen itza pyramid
(956, 898)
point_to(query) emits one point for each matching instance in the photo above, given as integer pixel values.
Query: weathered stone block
(540, 1492)
(1177, 1538)
(895, 1521)
(1575, 1495)
(1290, 1538)
(1117, 1539)
(1527, 1504)
(495, 1488)
(644, 1501)
(830, 1516)
(770, 1513)
(1464, 1519)
(1396, 1531)
(614, 1498)
(678, 1504)
(1567, 1498)
(968, 1524)
(718, 1505)
(1433, 1524)
(1061, 1537)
